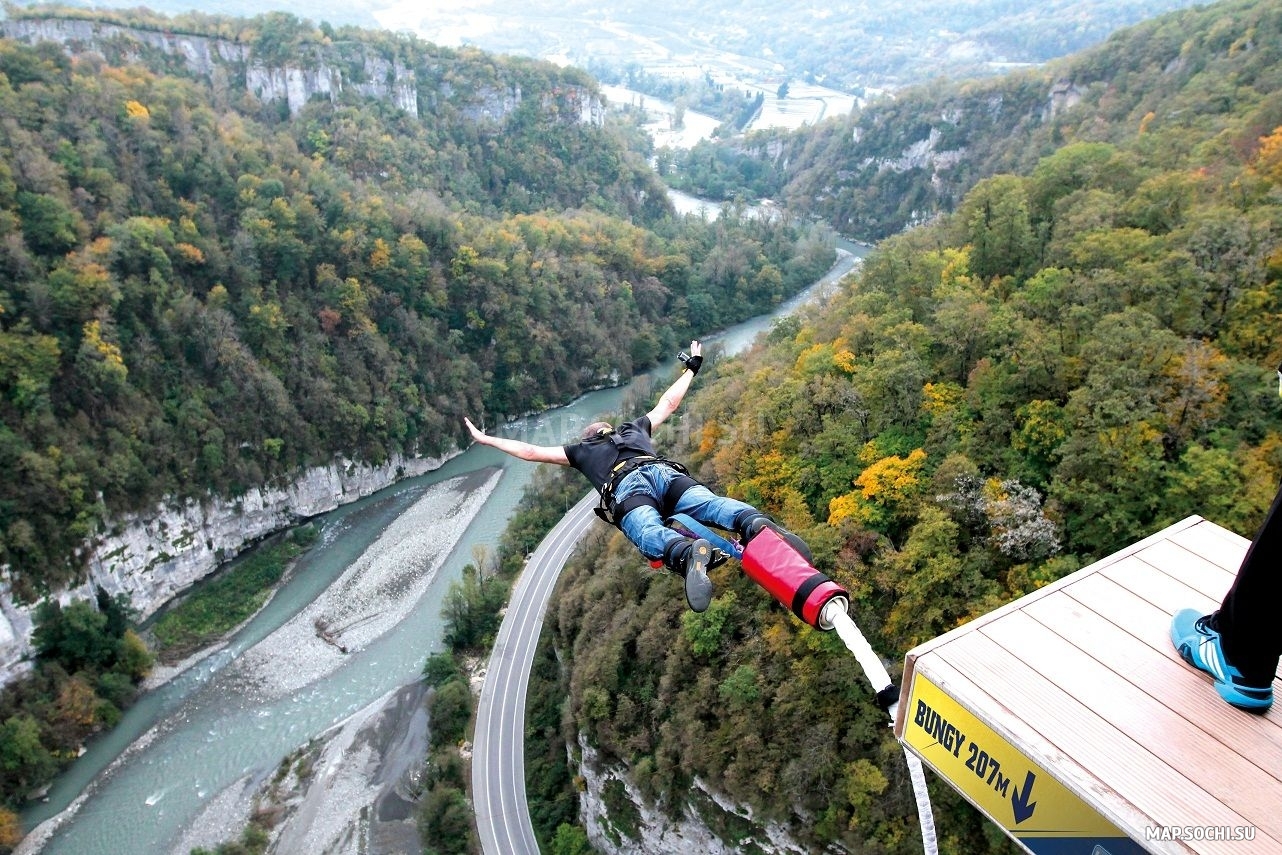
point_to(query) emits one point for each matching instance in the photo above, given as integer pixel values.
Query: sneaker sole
(1244, 697)
(698, 585)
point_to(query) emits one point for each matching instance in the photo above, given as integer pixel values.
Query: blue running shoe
(1198, 642)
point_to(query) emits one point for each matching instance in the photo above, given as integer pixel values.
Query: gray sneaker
(698, 585)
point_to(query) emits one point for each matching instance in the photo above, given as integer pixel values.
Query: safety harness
(613, 511)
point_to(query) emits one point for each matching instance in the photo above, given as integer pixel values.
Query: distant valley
(844, 45)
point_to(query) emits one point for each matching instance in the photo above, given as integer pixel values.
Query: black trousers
(1250, 618)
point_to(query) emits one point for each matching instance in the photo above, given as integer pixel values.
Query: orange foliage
(77, 703)
(1268, 161)
(709, 437)
(10, 829)
(189, 253)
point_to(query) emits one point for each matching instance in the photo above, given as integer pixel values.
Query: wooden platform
(1080, 678)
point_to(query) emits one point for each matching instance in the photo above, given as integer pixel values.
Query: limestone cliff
(619, 820)
(327, 73)
(155, 555)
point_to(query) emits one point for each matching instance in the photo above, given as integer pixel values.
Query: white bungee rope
(836, 615)
(775, 564)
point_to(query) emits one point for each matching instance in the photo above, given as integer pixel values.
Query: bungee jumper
(665, 512)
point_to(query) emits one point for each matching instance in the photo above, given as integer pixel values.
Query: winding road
(498, 765)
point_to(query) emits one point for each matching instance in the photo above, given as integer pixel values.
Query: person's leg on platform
(1248, 616)
(1240, 643)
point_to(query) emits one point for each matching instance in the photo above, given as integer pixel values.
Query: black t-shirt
(595, 457)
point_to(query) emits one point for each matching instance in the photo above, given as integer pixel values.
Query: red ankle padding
(775, 565)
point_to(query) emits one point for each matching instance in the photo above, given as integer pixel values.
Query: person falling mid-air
(639, 489)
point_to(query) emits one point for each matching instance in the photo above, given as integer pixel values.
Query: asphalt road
(498, 761)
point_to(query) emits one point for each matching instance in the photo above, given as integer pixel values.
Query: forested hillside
(200, 292)
(1183, 80)
(1080, 354)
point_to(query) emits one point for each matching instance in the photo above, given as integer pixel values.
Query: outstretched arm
(672, 398)
(517, 448)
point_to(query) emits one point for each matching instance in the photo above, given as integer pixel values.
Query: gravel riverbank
(372, 753)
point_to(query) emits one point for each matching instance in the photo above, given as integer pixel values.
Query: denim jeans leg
(710, 509)
(643, 525)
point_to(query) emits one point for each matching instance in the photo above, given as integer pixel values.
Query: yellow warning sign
(1001, 781)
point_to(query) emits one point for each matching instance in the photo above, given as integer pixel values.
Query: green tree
(704, 631)
(26, 763)
(996, 225)
(440, 668)
(445, 822)
(571, 840)
(133, 658)
(471, 609)
(75, 636)
(49, 226)
(450, 709)
(1228, 258)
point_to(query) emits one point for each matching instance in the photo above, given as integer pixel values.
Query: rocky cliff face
(296, 84)
(152, 557)
(619, 821)
(201, 54)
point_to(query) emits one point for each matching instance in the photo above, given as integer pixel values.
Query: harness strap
(675, 491)
(631, 503)
(613, 512)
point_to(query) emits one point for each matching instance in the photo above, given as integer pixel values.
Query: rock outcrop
(153, 556)
(636, 827)
(360, 70)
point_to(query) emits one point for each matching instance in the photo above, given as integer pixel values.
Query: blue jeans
(644, 526)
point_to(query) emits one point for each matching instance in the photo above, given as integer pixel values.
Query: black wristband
(691, 362)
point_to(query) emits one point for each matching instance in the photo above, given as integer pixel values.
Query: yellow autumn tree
(938, 399)
(10, 829)
(887, 494)
(99, 358)
(77, 705)
(1268, 160)
(381, 255)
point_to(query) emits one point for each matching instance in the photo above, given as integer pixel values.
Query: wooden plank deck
(1081, 678)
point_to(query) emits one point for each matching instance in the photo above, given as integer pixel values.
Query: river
(138, 787)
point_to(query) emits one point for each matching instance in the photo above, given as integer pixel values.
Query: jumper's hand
(694, 360)
(478, 435)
